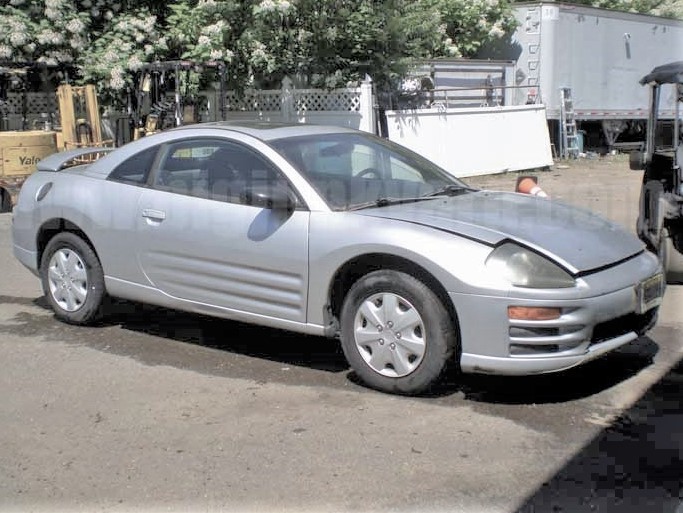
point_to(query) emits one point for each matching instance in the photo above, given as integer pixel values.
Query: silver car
(334, 232)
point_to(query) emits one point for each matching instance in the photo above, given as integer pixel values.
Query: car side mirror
(636, 160)
(272, 197)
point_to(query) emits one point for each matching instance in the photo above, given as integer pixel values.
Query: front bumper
(586, 329)
(523, 366)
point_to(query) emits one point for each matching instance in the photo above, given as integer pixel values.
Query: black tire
(5, 201)
(431, 331)
(671, 259)
(78, 275)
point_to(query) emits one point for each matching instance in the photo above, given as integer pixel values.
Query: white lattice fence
(13, 104)
(351, 107)
(344, 100)
(339, 100)
(38, 106)
(36, 103)
(253, 101)
(249, 101)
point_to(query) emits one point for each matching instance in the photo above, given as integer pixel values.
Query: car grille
(623, 325)
(550, 338)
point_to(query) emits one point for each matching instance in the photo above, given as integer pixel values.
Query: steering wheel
(369, 171)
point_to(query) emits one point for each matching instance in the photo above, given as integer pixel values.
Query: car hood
(577, 239)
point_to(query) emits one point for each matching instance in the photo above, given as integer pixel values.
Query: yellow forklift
(162, 99)
(79, 117)
(73, 123)
(23, 142)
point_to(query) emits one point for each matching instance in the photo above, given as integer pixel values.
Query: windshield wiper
(448, 190)
(385, 202)
(451, 190)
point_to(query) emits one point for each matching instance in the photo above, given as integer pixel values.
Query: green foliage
(17, 34)
(202, 31)
(119, 50)
(210, 31)
(331, 42)
(319, 43)
(52, 31)
(473, 23)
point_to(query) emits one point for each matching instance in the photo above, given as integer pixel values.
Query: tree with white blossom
(49, 31)
(323, 43)
(119, 50)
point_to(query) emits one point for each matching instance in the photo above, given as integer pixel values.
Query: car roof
(671, 73)
(260, 130)
(267, 130)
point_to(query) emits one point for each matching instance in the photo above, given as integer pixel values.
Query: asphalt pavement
(157, 410)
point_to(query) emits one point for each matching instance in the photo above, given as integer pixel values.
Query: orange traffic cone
(529, 185)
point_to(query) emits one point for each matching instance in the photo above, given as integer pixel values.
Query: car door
(201, 241)
(117, 220)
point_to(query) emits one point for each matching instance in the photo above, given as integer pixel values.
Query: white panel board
(469, 142)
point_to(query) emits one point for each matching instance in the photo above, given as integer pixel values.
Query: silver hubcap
(68, 280)
(389, 335)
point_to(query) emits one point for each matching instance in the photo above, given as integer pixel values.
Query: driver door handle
(154, 215)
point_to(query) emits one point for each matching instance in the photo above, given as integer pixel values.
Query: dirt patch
(604, 185)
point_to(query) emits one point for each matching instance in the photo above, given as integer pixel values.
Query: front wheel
(72, 278)
(395, 332)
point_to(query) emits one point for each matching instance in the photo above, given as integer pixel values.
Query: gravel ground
(605, 185)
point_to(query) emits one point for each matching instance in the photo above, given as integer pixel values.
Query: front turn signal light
(533, 313)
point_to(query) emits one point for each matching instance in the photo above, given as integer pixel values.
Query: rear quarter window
(134, 170)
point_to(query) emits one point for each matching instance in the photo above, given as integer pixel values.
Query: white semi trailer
(598, 55)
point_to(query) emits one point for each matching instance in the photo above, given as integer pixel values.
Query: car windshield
(354, 170)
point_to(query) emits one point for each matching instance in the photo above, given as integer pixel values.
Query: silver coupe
(330, 231)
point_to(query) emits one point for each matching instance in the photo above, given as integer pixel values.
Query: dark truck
(660, 218)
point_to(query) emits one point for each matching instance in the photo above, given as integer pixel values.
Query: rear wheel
(72, 279)
(396, 334)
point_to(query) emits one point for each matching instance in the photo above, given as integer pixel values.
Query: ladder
(569, 140)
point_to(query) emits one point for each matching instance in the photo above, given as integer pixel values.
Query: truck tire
(672, 259)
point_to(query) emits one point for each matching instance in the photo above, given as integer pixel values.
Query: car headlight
(524, 268)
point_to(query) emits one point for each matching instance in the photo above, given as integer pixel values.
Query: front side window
(180, 167)
(350, 169)
(213, 169)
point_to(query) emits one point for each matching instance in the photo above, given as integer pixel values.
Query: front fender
(457, 263)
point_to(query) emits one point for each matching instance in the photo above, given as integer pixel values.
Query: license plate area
(649, 293)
